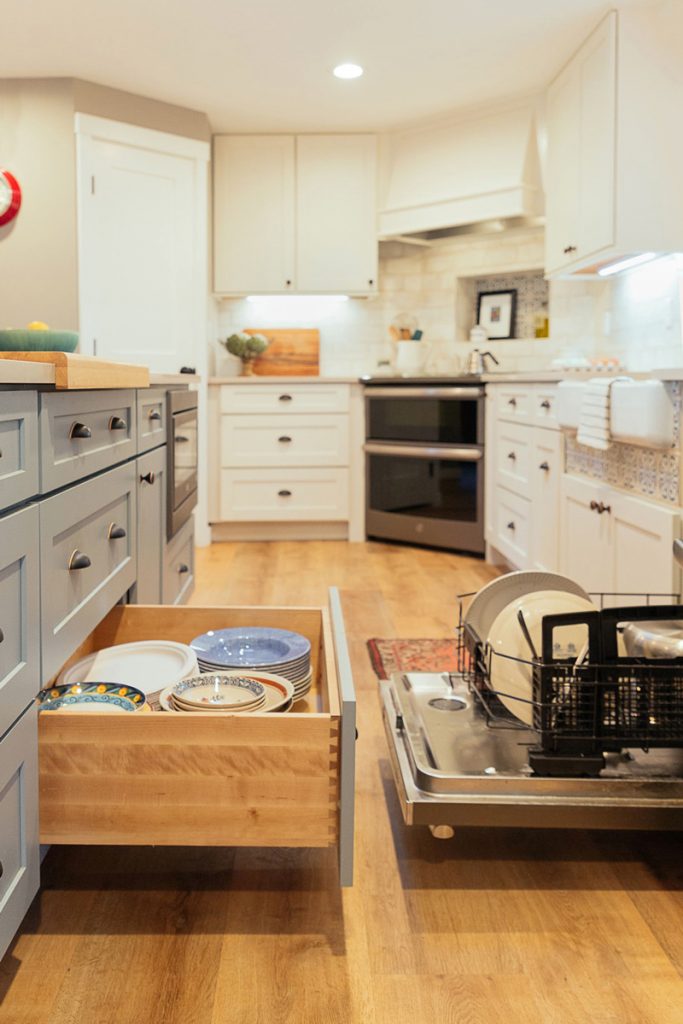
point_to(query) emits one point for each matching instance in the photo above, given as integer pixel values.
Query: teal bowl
(37, 341)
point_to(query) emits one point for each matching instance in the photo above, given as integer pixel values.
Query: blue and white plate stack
(264, 648)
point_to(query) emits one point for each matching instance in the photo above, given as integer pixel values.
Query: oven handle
(421, 451)
(424, 392)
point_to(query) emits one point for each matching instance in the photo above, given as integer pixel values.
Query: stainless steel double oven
(424, 455)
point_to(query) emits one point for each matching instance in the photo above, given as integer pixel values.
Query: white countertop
(257, 379)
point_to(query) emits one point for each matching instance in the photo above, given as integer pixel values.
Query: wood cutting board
(74, 372)
(293, 352)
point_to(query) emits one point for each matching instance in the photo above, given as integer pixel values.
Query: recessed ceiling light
(348, 71)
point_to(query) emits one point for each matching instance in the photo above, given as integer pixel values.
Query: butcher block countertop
(70, 371)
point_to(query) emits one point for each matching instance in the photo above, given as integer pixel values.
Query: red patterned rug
(389, 656)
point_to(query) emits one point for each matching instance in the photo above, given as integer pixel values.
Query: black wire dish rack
(587, 705)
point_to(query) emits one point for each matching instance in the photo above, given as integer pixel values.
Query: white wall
(634, 316)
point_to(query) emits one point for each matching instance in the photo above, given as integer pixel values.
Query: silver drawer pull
(284, 439)
(285, 398)
(147, 478)
(154, 414)
(115, 532)
(79, 430)
(285, 494)
(183, 568)
(116, 423)
(511, 526)
(78, 560)
(545, 467)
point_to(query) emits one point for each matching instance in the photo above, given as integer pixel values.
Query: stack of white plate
(148, 665)
(260, 648)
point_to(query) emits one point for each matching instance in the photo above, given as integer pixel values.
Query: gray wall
(38, 250)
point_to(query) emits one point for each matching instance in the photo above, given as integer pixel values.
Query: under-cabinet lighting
(626, 264)
(348, 71)
(297, 298)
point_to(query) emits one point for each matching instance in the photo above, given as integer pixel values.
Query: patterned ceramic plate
(220, 691)
(250, 647)
(103, 697)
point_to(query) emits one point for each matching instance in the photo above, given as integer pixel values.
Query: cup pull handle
(285, 398)
(147, 478)
(116, 423)
(116, 532)
(545, 404)
(512, 456)
(2, 636)
(284, 439)
(545, 467)
(78, 560)
(154, 414)
(79, 430)
(511, 525)
(512, 402)
(285, 493)
(183, 568)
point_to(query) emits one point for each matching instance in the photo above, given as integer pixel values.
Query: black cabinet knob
(182, 568)
(78, 560)
(284, 439)
(511, 526)
(284, 493)
(79, 430)
(285, 398)
(545, 404)
(545, 467)
(115, 532)
(116, 423)
(512, 456)
(147, 478)
(569, 248)
(288, 282)
(594, 507)
(512, 402)
(154, 414)
(371, 281)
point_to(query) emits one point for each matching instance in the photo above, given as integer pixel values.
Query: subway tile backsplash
(635, 317)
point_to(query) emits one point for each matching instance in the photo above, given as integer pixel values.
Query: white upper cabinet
(612, 185)
(336, 213)
(253, 194)
(295, 214)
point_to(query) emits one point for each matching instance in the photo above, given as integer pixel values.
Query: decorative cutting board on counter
(74, 372)
(293, 352)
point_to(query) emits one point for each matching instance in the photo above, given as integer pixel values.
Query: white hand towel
(594, 421)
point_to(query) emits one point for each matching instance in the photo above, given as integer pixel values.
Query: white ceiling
(265, 65)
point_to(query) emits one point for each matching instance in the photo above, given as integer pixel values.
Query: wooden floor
(519, 927)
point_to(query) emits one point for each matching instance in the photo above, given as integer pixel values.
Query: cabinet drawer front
(19, 613)
(263, 495)
(514, 403)
(287, 441)
(512, 526)
(546, 475)
(19, 851)
(151, 419)
(198, 779)
(513, 456)
(178, 575)
(285, 398)
(151, 526)
(83, 433)
(85, 567)
(543, 406)
(18, 446)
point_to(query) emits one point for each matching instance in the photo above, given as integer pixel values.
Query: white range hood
(479, 168)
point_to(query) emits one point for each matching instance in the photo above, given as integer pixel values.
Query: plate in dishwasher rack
(148, 664)
(487, 605)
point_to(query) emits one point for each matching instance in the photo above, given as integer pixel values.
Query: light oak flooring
(521, 927)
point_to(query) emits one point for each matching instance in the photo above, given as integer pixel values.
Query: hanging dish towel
(594, 421)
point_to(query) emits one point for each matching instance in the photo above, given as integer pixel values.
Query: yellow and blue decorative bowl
(106, 697)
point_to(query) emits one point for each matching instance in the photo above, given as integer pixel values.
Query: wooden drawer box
(83, 433)
(214, 779)
(19, 613)
(294, 440)
(87, 556)
(18, 446)
(289, 398)
(151, 418)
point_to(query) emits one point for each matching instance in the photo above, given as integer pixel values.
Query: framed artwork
(496, 312)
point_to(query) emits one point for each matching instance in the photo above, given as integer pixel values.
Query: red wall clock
(10, 197)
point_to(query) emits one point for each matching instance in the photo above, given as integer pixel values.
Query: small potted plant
(246, 347)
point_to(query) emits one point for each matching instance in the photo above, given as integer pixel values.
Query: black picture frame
(508, 299)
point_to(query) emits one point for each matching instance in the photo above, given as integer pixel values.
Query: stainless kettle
(476, 361)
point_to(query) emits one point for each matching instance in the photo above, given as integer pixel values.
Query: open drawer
(214, 779)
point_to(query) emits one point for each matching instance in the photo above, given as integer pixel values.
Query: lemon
(37, 325)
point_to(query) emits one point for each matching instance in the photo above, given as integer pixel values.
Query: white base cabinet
(614, 543)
